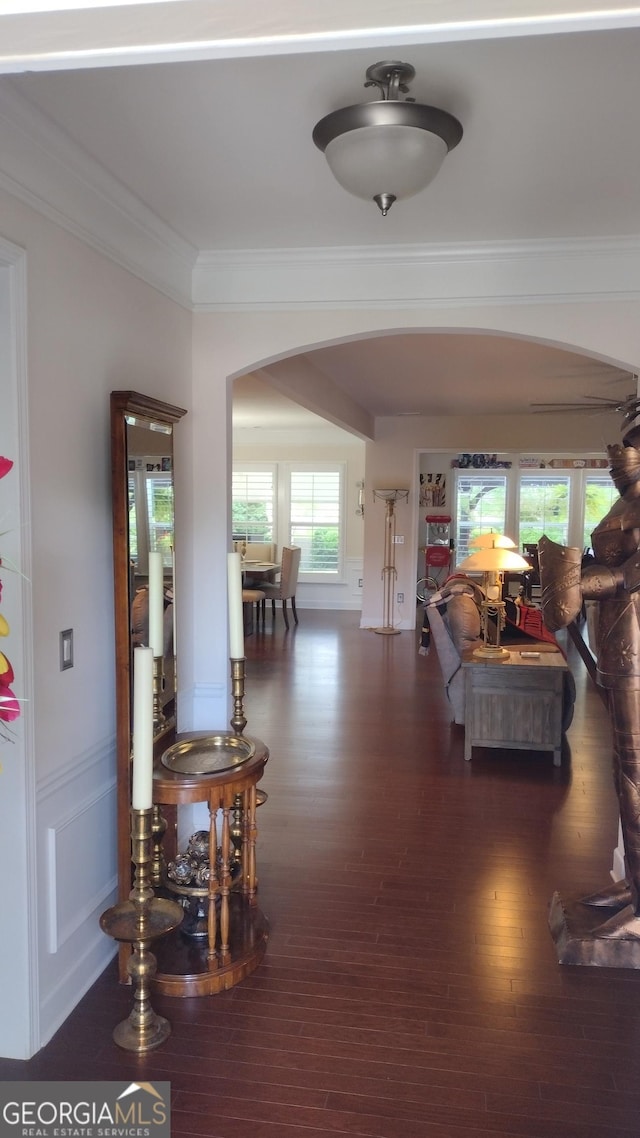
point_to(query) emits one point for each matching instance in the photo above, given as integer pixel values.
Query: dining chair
(285, 589)
(254, 597)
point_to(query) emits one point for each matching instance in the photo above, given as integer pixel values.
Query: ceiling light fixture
(391, 149)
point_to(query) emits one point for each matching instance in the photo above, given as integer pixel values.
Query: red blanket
(528, 620)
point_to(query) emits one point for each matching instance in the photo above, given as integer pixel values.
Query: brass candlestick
(159, 719)
(139, 921)
(158, 831)
(238, 722)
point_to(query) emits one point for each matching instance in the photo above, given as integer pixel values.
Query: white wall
(91, 328)
(19, 1020)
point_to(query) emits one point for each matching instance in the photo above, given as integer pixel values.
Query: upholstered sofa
(452, 624)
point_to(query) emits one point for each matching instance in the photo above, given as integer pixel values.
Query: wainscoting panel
(76, 828)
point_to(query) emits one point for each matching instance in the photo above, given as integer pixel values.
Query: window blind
(315, 519)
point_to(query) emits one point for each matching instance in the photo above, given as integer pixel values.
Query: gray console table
(516, 702)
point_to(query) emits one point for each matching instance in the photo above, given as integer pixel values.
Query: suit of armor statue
(614, 581)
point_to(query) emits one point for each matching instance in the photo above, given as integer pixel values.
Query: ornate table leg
(250, 834)
(213, 881)
(225, 883)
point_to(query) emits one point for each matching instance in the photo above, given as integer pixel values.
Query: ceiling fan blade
(553, 409)
(606, 372)
(604, 399)
(596, 403)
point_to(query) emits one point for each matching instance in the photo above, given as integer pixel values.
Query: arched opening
(420, 389)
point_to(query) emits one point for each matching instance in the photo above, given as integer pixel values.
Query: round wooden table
(237, 930)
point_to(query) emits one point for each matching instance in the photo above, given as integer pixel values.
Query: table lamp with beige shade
(495, 555)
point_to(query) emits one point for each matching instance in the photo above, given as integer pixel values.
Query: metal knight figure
(613, 580)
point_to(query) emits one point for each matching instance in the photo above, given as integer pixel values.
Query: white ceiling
(221, 151)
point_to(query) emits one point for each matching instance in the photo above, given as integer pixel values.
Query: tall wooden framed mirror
(143, 521)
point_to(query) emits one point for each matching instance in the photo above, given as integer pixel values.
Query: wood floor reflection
(410, 987)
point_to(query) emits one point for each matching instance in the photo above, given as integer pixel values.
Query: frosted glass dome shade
(377, 160)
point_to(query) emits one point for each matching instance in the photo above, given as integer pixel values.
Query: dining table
(259, 570)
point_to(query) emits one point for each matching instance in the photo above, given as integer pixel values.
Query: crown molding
(42, 166)
(46, 35)
(415, 276)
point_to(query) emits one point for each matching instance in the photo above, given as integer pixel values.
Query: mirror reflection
(151, 530)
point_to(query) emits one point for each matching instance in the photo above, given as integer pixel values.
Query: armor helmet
(624, 465)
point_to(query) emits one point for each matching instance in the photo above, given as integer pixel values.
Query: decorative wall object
(480, 462)
(579, 463)
(9, 705)
(433, 490)
(531, 462)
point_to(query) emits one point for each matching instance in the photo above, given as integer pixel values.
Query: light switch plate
(66, 649)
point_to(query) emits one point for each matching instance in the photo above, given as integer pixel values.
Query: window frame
(282, 472)
(593, 476)
(270, 468)
(498, 475)
(553, 474)
(516, 474)
(140, 484)
(337, 577)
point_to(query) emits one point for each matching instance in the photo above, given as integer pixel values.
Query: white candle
(142, 789)
(236, 619)
(156, 604)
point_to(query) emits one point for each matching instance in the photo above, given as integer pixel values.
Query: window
(315, 518)
(150, 512)
(481, 501)
(599, 495)
(544, 508)
(564, 498)
(293, 504)
(252, 510)
(160, 515)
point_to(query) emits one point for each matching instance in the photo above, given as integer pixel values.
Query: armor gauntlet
(560, 579)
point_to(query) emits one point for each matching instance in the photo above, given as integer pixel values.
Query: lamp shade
(491, 540)
(395, 160)
(388, 150)
(493, 560)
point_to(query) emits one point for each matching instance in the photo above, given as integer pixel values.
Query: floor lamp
(390, 497)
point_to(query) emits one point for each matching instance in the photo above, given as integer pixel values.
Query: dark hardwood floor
(410, 987)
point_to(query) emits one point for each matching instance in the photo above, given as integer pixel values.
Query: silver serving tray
(208, 754)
